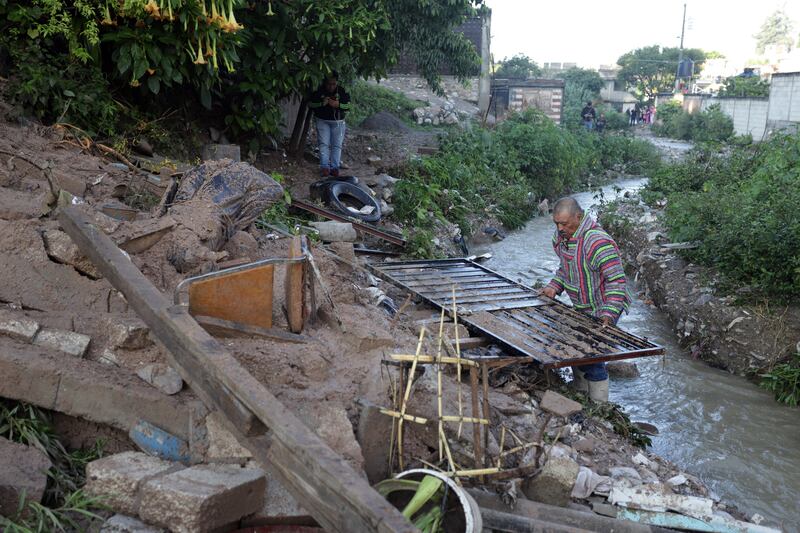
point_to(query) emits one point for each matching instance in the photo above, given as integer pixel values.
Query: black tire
(318, 189)
(337, 192)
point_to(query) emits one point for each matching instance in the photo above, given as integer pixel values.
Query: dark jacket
(326, 112)
(588, 113)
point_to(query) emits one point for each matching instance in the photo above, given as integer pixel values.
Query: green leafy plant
(710, 125)
(740, 205)
(783, 380)
(424, 509)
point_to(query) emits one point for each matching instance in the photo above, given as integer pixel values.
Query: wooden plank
(244, 296)
(227, 328)
(323, 483)
(293, 284)
(471, 342)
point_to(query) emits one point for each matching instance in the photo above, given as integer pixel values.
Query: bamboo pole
(502, 442)
(518, 449)
(405, 400)
(407, 358)
(467, 419)
(439, 384)
(410, 418)
(485, 372)
(476, 430)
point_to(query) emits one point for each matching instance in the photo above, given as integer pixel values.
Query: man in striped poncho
(591, 272)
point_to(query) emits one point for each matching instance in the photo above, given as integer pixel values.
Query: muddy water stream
(718, 427)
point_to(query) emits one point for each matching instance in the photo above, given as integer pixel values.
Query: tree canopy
(777, 29)
(745, 86)
(583, 79)
(237, 57)
(518, 67)
(651, 70)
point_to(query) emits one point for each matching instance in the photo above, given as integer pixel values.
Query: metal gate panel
(514, 315)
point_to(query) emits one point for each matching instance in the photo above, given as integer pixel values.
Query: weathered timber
(228, 328)
(293, 285)
(322, 482)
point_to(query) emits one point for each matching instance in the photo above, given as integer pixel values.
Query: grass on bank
(783, 380)
(368, 99)
(503, 173)
(64, 507)
(740, 204)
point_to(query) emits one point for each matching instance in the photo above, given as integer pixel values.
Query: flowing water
(716, 426)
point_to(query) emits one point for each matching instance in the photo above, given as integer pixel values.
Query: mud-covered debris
(70, 342)
(331, 231)
(23, 474)
(559, 405)
(161, 376)
(18, 327)
(554, 483)
(61, 249)
(127, 333)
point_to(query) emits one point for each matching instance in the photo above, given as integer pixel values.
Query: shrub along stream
(502, 173)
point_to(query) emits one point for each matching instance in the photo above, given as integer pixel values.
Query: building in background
(614, 92)
(546, 95)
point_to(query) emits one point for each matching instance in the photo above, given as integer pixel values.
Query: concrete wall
(784, 101)
(547, 99)
(756, 116)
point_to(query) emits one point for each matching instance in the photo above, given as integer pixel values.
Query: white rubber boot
(579, 382)
(598, 391)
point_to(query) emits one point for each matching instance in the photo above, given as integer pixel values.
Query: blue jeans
(594, 372)
(588, 124)
(330, 136)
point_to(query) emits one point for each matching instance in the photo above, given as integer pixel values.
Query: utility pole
(680, 53)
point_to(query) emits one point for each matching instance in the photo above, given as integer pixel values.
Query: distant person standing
(330, 103)
(632, 116)
(652, 114)
(600, 125)
(588, 115)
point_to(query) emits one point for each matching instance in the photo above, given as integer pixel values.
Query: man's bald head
(568, 206)
(567, 215)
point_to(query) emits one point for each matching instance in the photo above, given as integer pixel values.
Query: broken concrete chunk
(127, 333)
(279, 506)
(649, 499)
(677, 481)
(118, 478)
(374, 436)
(120, 523)
(18, 327)
(202, 498)
(17, 205)
(23, 470)
(586, 445)
(222, 445)
(60, 248)
(617, 472)
(331, 231)
(161, 376)
(108, 358)
(554, 483)
(74, 344)
(559, 405)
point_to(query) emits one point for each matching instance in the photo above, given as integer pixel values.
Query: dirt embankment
(743, 339)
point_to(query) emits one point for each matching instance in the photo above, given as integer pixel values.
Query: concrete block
(74, 344)
(558, 405)
(222, 445)
(108, 358)
(127, 333)
(161, 376)
(18, 327)
(554, 483)
(374, 435)
(119, 478)
(120, 523)
(213, 152)
(23, 470)
(279, 505)
(202, 498)
(60, 248)
(331, 231)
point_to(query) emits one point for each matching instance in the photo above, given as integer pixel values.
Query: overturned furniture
(321, 481)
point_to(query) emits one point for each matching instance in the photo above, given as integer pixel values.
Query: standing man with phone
(330, 103)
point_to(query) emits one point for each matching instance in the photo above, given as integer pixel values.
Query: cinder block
(127, 333)
(559, 405)
(23, 471)
(74, 344)
(119, 478)
(202, 498)
(18, 327)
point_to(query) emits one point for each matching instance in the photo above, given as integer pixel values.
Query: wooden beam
(228, 328)
(323, 483)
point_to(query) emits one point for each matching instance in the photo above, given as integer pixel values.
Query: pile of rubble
(436, 115)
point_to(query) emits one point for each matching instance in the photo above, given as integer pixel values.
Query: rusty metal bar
(391, 237)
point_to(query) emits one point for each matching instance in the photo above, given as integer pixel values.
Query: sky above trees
(574, 31)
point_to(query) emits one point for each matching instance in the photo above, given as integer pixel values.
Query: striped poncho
(591, 271)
